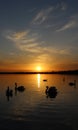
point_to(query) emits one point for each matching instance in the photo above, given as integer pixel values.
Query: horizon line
(41, 72)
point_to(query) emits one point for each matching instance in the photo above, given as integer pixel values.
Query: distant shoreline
(69, 72)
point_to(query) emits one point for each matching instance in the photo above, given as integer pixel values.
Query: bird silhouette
(51, 91)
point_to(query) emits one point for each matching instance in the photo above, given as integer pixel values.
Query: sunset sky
(38, 33)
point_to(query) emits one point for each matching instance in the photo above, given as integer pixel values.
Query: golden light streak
(38, 77)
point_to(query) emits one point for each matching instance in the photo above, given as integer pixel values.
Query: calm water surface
(32, 109)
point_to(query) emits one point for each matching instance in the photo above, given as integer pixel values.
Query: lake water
(32, 109)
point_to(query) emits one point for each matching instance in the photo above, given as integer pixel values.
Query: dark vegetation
(69, 72)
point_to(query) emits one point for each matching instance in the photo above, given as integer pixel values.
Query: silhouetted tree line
(75, 72)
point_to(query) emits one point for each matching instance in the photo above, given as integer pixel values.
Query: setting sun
(38, 68)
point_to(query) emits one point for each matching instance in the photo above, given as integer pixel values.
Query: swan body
(9, 92)
(44, 80)
(51, 91)
(19, 88)
(72, 83)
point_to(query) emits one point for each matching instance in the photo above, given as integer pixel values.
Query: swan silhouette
(51, 91)
(9, 92)
(19, 88)
(45, 80)
(73, 83)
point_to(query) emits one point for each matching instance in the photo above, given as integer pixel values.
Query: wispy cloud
(33, 48)
(24, 41)
(16, 36)
(42, 15)
(69, 25)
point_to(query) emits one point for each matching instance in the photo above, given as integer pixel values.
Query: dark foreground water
(32, 109)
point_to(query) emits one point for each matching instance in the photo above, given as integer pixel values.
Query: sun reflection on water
(38, 78)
